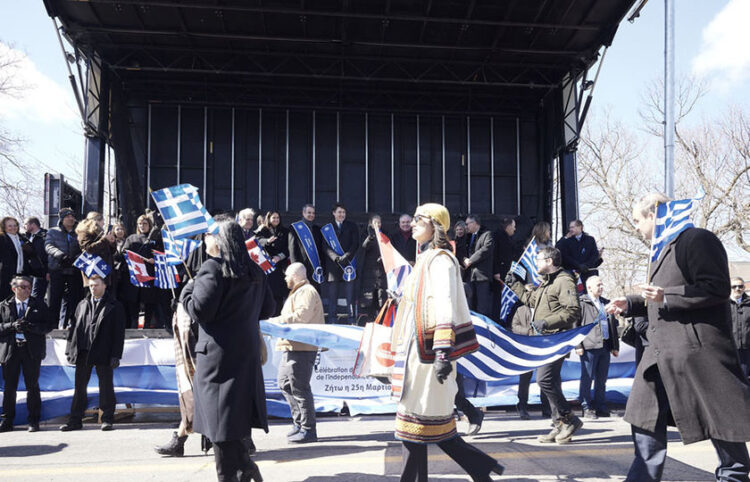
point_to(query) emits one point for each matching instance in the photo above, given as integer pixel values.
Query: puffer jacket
(555, 301)
(62, 249)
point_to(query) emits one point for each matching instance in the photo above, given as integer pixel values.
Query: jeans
(550, 384)
(594, 367)
(65, 291)
(295, 372)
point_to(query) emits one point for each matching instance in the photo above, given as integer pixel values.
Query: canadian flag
(138, 273)
(259, 256)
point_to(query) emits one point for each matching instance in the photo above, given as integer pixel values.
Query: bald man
(596, 348)
(297, 360)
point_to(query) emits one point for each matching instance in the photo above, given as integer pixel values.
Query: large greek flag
(528, 260)
(503, 354)
(672, 218)
(183, 212)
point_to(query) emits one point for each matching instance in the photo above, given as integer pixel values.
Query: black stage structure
(381, 104)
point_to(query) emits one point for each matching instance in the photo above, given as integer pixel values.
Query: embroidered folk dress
(432, 314)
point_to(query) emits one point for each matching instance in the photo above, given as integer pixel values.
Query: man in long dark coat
(689, 375)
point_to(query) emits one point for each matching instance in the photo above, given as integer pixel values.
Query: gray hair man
(297, 360)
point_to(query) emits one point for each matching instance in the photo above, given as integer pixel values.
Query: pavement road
(350, 449)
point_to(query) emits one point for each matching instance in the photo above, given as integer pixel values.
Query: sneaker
(107, 427)
(568, 426)
(294, 431)
(33, 427)
(591, 414)
(70, 426)
(304, 436)
(551, 436)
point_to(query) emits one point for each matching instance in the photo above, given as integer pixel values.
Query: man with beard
(306, 246)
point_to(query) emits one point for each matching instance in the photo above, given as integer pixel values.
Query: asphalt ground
(349, 449)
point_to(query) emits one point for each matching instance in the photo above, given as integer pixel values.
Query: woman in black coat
(228, 297)
(13, 246)
(274, 238)
(374, 284)
(133, 296)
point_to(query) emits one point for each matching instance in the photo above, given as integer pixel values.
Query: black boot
(175, 447)
(251, 472)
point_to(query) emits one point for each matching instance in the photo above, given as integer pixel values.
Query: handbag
(629, 334)
(374, 356)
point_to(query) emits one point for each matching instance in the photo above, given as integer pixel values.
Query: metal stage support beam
(96, 132)
(569, 186)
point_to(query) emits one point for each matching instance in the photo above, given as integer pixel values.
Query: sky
(712, 41)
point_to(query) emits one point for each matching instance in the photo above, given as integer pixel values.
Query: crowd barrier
(147, 376)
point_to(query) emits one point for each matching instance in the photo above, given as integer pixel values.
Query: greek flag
(503, 354)
(178, 250)
(92, 264)
(528, 260)
(508, 300)
(166, 275)
(672, 218)
(183, 212)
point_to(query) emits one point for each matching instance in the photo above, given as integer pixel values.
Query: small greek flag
(183, 212)
(528, 260)
(166, 275)
(508, 300)
(92, 264)
(672, 218)
(178, 250)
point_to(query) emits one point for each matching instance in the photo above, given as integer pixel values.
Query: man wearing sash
(306, 246)
(341, 243)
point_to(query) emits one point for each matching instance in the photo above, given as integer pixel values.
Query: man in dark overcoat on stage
(690, 374)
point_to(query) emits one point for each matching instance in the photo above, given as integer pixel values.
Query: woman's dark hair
(439, 237)
(267, 219)
(231, 244)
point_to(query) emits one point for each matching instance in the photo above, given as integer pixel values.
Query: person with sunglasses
(740, 308)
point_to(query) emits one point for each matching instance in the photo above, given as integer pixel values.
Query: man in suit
(95, 340)
(24, 322)
(689, 374)
(403, 242)
(579, 251)
(37, 263)
(348, 236)
(479, 266)
(740, 304)
(297, 253)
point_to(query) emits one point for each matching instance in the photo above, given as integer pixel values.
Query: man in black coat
(579, 251)
(348, 235)
(403, 242)
(740, 304)
(37, 263)
(24, 322)
(479, 266)
(689, 374)
(96, 337)
(65, 288)
(297, 253)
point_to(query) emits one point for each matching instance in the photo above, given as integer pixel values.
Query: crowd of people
(457, 268)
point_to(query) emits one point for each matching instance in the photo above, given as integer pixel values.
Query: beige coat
(302, 306)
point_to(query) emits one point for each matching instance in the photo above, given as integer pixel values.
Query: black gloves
(19, 325)
(114, 363)
(443, 367)
(539, 325)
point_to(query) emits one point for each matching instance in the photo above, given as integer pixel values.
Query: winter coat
(62, 249)
(144, 246)
(741, 321)
(229, 392)
(297, 253)
(302, 306)
(109, 330)
(349, 241)
(279, 247)
(481, 254)
(40, 322)
(407, 246)
(370, 266)
(94, 242)
(690, 344)
(589, 315)
(38, 262)
(9, 262)
(555, 301)
(580, 256)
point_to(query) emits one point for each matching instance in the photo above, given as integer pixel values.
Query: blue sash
(329, 233)
(308, 242)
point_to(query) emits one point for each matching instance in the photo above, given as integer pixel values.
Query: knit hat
(436, 212)
(65, 212)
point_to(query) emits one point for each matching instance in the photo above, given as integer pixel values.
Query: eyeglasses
(737, 287)
(421, 218)
(24, 287)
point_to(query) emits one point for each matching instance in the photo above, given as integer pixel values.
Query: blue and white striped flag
(507, 301)
(672, 218)
(528, 260)
(503, 354)
(183, 212)
(166, 275)
(92, 264)
(178, 250)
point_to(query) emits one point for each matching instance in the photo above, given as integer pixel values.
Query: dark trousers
(332, 288)
(463, 404)
(594, 366)
(651, 449)
(744, 354)
(39, 288)
(524, 380)
(107, 399)
(21, 360)
(230, 457)
(65, 291)
(295, 371)
(475, 462)
(550, 384)
(479, 297)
